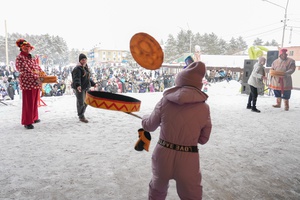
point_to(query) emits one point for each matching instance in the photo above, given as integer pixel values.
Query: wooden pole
(129, 113)
(6, 46)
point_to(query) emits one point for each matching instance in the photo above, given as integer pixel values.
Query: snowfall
(249, 155)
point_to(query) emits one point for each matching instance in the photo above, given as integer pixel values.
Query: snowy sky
(111, 23)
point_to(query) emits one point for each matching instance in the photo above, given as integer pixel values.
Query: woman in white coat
(255, 81)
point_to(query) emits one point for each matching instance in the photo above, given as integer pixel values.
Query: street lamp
(284, 20)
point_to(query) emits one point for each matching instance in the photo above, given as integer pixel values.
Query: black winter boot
(254, 109)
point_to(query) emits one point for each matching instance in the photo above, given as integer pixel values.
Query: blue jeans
(286, 94)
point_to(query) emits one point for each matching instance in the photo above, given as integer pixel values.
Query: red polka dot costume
(29, 70)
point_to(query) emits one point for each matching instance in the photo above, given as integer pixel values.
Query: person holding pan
(184, 119)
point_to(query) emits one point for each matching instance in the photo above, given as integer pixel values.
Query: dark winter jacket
(81, 77)
(11, 91)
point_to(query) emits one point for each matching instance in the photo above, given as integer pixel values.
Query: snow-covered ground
(249, 155)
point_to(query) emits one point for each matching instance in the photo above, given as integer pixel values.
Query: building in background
(98, 57)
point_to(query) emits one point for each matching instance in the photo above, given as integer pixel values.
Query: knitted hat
(82, 56)
(282, 51)
(192, 75)
(20, 42)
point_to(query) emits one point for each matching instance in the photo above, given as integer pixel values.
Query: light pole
(6, 46)
(190, 42)
(190, 34)
(284, 20)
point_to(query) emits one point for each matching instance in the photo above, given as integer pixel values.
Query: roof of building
(213, 60)
(226, 61)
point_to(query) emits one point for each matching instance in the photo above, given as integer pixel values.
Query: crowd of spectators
(9, 83)
(115, 80)
(214, 76)
(109, 79)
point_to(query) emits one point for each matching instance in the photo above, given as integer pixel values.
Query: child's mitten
(143, 141)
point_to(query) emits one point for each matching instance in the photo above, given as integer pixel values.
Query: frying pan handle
(130, 113)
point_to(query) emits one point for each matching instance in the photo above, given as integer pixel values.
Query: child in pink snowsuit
(184, 120)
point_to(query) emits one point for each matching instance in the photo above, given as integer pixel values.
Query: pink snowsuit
(184, 119)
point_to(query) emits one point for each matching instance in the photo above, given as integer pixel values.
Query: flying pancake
(146, 51)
